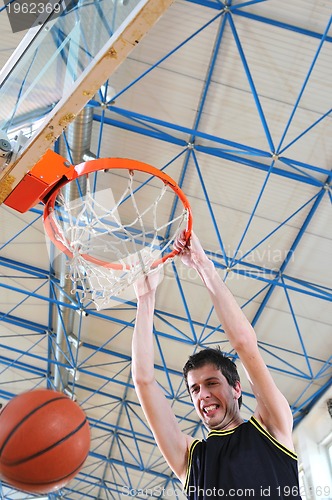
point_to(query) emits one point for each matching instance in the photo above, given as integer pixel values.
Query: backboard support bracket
(39, 181)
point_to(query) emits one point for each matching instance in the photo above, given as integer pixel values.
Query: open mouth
(209, 410)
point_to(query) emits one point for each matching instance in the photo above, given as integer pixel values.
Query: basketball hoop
(111, 219)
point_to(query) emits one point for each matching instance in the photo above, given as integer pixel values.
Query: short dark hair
(219, 359)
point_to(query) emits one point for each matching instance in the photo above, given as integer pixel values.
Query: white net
(116, 227)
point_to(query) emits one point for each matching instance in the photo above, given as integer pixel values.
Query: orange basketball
(44, 441)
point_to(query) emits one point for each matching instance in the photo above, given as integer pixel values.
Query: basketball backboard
(59, 66)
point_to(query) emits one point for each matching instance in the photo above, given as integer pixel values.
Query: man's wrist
(147, 297)
(203, 264)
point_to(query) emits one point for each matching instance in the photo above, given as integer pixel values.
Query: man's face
(214, 399)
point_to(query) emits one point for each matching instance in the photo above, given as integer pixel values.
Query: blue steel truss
(121, 433)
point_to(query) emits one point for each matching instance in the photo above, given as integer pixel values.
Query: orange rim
(108, 164)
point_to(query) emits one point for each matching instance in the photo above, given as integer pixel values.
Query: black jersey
(244, 462)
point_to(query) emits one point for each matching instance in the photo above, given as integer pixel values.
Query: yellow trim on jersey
(190, 456)
(266, 433)
(193, 446)
(222, 432)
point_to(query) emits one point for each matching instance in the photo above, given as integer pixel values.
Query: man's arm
(172, 443)
(272, 407)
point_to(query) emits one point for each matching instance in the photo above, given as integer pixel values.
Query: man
(238, 459)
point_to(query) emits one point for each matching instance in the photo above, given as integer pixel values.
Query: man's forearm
(234, 322)
(142, 342)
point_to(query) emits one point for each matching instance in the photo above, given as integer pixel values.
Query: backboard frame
(115, 51)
